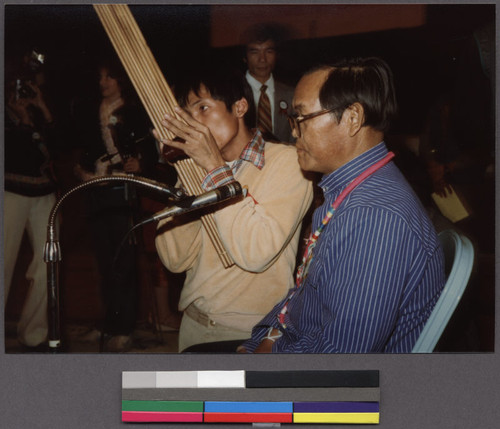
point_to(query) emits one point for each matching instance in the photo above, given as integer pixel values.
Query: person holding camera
(114, 134)
(29, 197)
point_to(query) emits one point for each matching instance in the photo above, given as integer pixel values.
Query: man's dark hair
(367, 81)
(223, 83)
(260, 33)
(115, 69)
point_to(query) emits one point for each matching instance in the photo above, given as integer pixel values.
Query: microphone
(217, 195)
(163, 188)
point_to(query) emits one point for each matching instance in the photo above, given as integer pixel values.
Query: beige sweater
(261, 239)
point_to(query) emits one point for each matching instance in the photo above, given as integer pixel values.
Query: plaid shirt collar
(253, 152)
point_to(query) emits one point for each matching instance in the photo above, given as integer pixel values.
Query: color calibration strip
(219, 396)
(248, 379)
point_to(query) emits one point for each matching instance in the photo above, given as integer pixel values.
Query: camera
(35, 61)
(33, 64)
(23, 90)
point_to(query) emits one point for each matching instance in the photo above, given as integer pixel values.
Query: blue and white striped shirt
(377, 272)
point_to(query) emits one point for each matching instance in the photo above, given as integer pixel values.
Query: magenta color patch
(152, 416)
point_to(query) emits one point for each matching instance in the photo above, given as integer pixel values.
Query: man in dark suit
(261, 43)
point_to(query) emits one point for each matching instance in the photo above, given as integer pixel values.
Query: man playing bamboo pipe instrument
(260, 233)
(373, 270)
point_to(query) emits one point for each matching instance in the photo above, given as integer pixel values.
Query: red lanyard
(313, 238)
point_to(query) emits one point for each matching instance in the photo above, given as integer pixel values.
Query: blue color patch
(248, 407)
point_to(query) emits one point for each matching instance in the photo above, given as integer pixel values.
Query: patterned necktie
(264, 121)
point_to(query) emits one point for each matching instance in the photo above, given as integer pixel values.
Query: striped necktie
(264, 121)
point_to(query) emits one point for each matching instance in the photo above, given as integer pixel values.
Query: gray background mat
(342, 394)
(84, 391)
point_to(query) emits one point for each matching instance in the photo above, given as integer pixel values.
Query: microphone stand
(52, 252)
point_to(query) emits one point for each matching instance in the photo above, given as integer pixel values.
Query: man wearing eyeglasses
(373, 267)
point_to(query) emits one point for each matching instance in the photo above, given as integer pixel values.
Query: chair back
(459, 259)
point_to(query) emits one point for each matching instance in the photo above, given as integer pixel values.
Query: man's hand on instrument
(199, 143)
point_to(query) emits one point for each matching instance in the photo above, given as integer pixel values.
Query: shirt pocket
(315, 273)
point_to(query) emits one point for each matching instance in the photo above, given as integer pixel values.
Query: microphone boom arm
(52, 251)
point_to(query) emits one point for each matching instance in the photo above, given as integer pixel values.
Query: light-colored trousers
(191, 333)
(30, 214)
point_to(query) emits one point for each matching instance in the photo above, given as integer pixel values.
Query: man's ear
(240, 108)
(355, 117)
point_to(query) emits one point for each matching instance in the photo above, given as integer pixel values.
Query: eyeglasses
(295, 119)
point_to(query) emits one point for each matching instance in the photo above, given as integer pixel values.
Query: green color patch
(167, 406)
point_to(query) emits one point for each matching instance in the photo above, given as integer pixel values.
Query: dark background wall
(423, 58)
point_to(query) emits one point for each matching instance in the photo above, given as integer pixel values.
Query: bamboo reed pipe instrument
(155, 95)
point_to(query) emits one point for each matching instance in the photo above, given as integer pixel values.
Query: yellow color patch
(368, 418)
